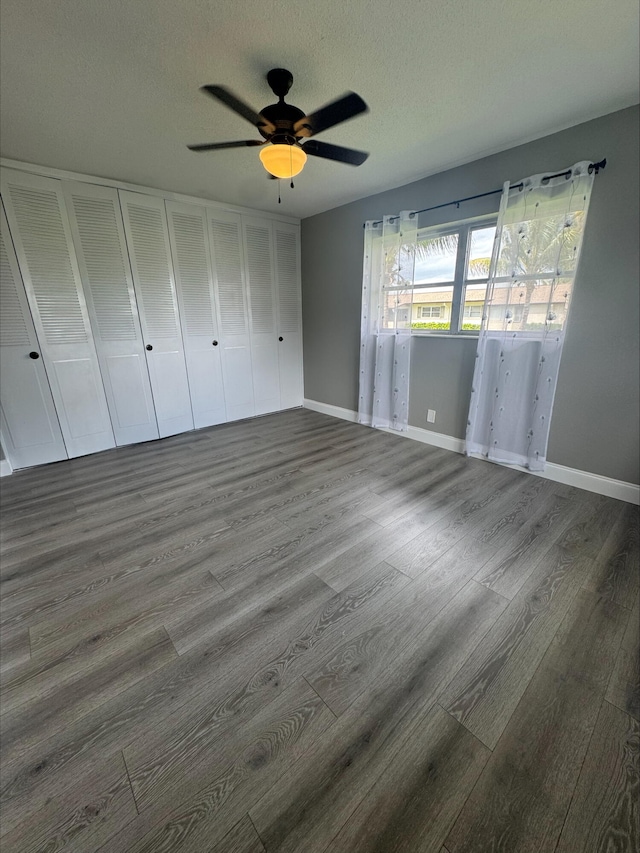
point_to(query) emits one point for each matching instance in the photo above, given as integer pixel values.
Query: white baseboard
(5, 468)
(439, 439)
(601, 485)
(618, 489)
(334, 411)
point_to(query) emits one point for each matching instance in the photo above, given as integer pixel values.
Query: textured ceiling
(110, 87)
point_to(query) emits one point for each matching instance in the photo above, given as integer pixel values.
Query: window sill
(470, 337)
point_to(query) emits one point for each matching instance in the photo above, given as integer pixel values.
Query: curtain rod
(593, 167)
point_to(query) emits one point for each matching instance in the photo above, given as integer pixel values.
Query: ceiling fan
(283, 126)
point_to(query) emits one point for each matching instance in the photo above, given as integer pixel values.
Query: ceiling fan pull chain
(279, 199)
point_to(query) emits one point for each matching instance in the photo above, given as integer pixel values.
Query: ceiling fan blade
(230, 100)
(344, 108)
(216, 146)
(335, 152)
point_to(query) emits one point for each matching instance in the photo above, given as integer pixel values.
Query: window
(472, 312)
(443, 290)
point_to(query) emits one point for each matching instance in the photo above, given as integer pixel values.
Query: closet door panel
(150, 254)
(291, 377)
(205, 380)
(266, 382)
(194, 283)
(238, 381)
(132, 401)
(77, 381)
(39, 226)
(225, 231)
(262, 313)
(287, 268)
(29, 425)
(98, 235)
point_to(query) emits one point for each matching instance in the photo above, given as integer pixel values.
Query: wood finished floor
(298, 634)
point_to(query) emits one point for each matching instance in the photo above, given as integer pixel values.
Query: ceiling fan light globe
(283, 161)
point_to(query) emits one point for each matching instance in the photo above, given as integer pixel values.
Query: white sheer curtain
(531, 278)
(385, 332)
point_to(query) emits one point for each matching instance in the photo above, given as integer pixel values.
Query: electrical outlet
(431, 416)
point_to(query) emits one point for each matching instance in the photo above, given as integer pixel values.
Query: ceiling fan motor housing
(283, 116)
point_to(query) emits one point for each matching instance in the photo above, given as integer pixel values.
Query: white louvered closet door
(29, 425)
(98, 235)
(225, 231)
(42, 238)
(145, 223)
(287, 266)
(262, 313)
(194, 283)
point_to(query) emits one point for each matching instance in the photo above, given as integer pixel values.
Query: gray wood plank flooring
(294, 634)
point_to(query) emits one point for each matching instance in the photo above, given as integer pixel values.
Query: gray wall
(595, 419)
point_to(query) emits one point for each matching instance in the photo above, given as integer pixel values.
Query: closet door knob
(215, 343)
(34, 355)
(280, 339)
(149, 347)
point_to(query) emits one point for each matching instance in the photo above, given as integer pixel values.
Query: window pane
(398, 265)
(530, 305)
(396, 309)
(431, 309)
(473, 306)
(436, 259)
(480, 247)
